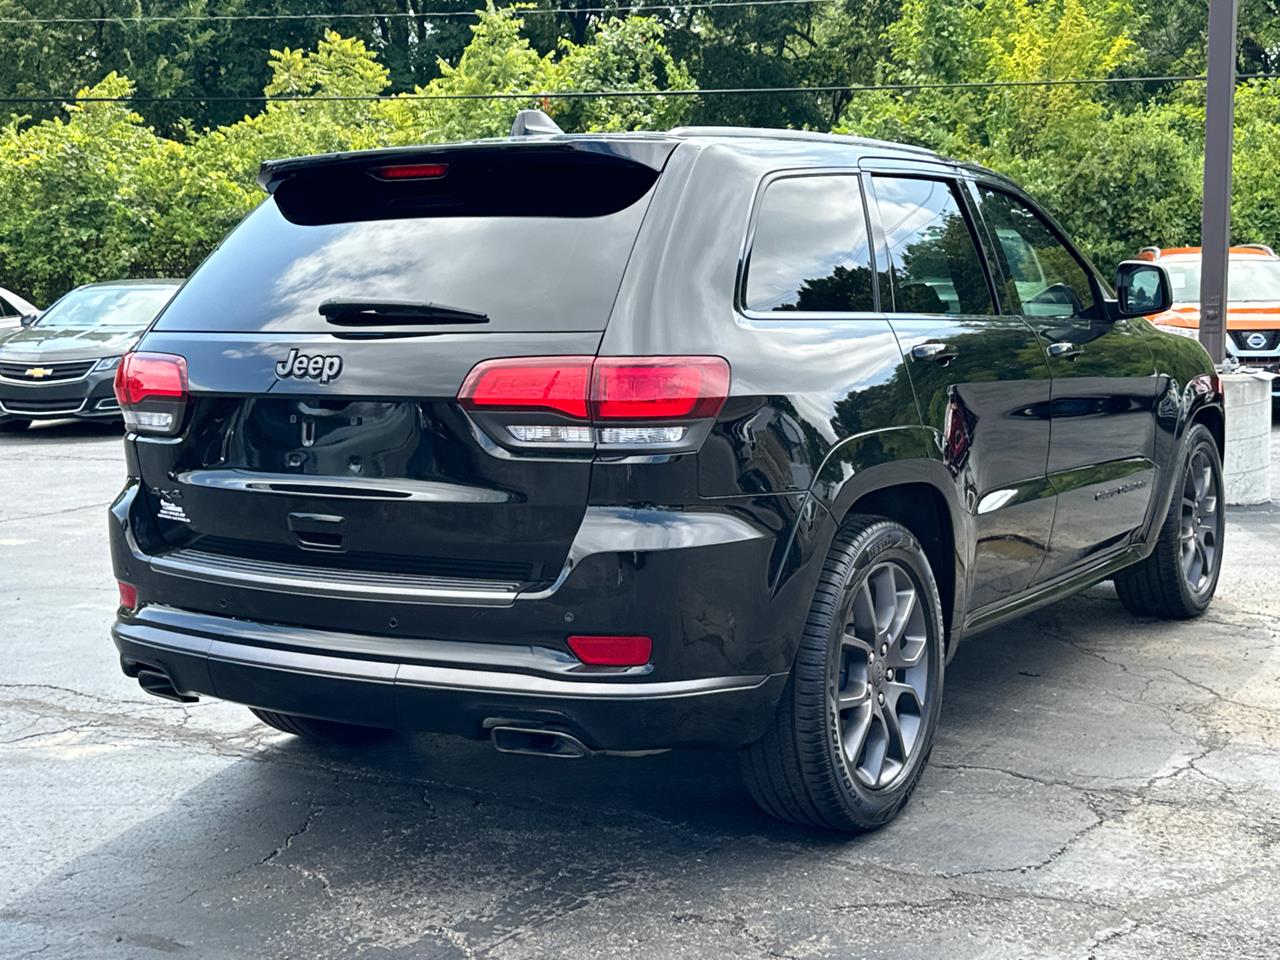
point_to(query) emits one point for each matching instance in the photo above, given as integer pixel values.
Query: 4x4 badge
(319, 367)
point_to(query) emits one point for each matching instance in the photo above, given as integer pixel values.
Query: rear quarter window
(810, 251)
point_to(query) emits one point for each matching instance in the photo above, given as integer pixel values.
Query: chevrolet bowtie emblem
(37, 373)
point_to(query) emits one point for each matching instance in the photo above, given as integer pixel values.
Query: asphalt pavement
(1102, 787)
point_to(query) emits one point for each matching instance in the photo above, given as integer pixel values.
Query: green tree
(95, 193)
(75, 206)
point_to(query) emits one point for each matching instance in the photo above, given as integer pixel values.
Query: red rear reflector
(411, 171)
(532, 383)
(128, 595)
(659, 388)
(612, 651)
(143, 376)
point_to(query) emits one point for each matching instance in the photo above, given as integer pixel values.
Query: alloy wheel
(882, 680)
(1201, 530)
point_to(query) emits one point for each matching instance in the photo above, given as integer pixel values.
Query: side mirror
(1142, 288)
(27, 319)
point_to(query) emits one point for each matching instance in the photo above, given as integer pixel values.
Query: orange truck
(1253, 301)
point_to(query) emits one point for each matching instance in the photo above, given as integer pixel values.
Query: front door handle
(935, 351)
(1065, 350)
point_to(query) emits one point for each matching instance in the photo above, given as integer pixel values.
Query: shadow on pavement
(432, 844)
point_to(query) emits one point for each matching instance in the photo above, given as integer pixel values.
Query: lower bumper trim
(618, 714)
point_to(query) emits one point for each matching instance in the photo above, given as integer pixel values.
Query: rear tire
(13, 426)
(855, 724)
(331, 731)
(1178, 580)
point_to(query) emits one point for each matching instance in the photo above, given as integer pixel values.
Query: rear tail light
(556, 384)
(152, 391)
(638, 403)
(128, 595)
(609, 651)
(658, 388)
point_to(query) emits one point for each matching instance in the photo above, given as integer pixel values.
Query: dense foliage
(97, 190)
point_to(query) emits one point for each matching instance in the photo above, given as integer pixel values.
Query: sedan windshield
(1247, 279)
(120, 308)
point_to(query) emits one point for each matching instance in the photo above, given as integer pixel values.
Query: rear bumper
(90, 397)
(447, 687)
(715, 587)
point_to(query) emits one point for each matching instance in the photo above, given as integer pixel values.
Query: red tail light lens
(632, 403)
(152, 391)
(659, 388)
(612, 651)
(558, 384)
(128, 595)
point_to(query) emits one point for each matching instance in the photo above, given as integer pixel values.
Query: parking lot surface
(1102, 786)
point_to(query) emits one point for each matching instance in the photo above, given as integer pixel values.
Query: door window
(810, 250)
(1045, 278)
(936, 267)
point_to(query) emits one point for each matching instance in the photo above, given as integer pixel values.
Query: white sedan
(13, 308)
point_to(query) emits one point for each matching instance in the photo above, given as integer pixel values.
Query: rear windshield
(116, 308)
(545, 254)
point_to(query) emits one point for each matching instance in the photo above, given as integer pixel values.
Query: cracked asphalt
(1102, 787)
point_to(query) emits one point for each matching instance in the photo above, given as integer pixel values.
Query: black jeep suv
(710, 438)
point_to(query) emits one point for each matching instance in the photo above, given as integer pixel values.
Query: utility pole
(1215, 219)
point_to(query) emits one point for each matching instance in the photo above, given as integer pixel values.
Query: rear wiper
(354, 313)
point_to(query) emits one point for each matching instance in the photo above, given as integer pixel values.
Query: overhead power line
(601, 94)
(401, 14)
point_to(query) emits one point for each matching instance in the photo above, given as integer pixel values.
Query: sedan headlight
(107, 363)
(1191, 333)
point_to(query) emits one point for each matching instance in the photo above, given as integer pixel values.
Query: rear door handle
(935, 351)
(1065, 350)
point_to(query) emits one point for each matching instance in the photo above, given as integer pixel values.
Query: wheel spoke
(852, 644)
(900, 695)
(885, 593)
(854, 695)
(897, 750)
(853, 734)
(875, 745)
(864, 612)
(904, 607)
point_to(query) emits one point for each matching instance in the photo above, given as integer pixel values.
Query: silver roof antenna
(534, 123)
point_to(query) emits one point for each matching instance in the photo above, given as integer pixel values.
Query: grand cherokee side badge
(300, 365)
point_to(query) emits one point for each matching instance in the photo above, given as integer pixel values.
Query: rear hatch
(327, 338)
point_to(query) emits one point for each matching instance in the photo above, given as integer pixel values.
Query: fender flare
(865, 463)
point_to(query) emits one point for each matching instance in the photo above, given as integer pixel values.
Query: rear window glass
(542, 254)
(810, 251)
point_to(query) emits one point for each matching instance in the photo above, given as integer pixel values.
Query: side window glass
(935, 264)
(810, 250)
(1046, 278)
(7, 309)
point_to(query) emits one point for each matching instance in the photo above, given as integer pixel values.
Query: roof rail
(1257, 246)
(772, 133)
(1152, 250)
(534, 123)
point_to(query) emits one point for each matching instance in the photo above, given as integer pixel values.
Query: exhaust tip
(159, 685)
(535, 741)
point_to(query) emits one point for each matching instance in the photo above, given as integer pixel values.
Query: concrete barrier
(1247, 470)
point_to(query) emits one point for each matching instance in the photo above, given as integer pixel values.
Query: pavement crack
(307, 873)
(314, 810)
